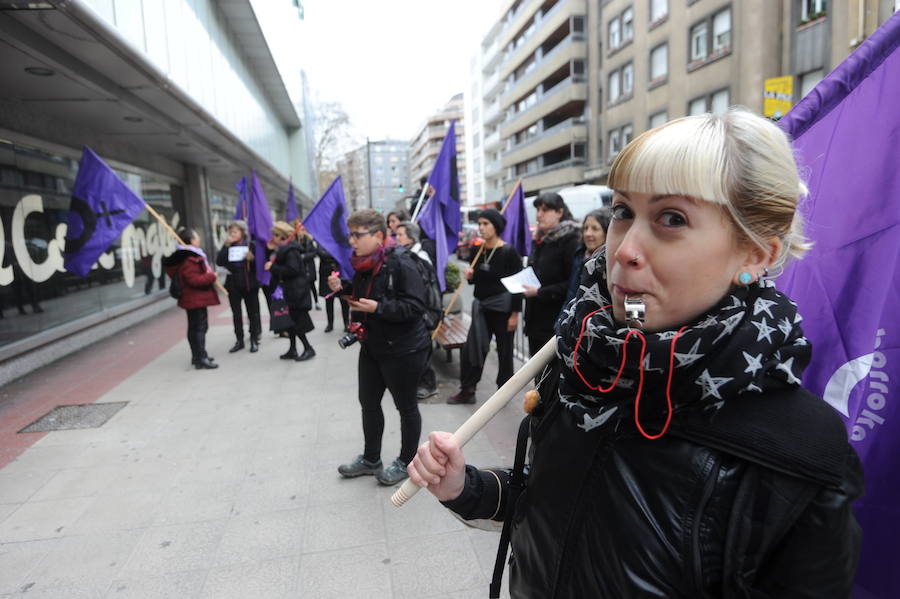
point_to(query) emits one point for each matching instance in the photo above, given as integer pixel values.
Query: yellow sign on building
(778, 96)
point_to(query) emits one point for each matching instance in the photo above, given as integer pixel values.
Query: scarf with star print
(750, 342)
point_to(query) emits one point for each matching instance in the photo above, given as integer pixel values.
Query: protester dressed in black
(555, 244)
(676, 454)
(241, 284)
(290, 270)
(387, 311)
(495, 311)
(328, 265)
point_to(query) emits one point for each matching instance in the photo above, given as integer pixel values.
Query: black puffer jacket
(551, 259)
(742, 508)
(397, 326)
(291, 271)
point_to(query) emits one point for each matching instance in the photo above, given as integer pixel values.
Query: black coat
(552, 263)
(327, 265)
(291, 271)
(755, 504)
(241, 275)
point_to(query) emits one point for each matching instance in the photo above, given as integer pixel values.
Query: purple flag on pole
(327, 223)
(517, 232)
(102, 206)
(240, 213)
(291, 211)
(259, 221)
(847, 135)
(440, 218)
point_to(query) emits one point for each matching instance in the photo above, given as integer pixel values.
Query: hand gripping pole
(497, 401)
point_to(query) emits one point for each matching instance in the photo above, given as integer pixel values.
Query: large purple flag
(327, 223)
(240, 212)
(517, 232)
(101, 207)
(291, 211)
(440, 218)
(259, 221)
(847, 135)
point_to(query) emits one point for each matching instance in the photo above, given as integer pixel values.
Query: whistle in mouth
(635, 309)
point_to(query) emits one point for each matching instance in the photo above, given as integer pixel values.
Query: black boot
(329, 328)
(306, 355)
(466, 395)
(238, 346)
(254, 346)
(205, 364)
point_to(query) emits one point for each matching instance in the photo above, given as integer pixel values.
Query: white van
(580, 199)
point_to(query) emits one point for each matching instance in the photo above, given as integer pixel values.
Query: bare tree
(333, 134)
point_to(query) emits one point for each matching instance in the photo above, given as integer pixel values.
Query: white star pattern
(646, 365)
(787, 367)
(785, 326)
(666, 335)
(735, 303)
(801, 341)
(797, 318)
(765, 331)
(753, 363)
(763, 305)
(689, 357)
(592, 423)
(751, 387)
(615, 341)
(709, 321)
(623, 382)
(730, 324)
(711, 384)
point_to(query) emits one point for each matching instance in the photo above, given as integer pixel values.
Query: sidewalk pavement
(223, 483)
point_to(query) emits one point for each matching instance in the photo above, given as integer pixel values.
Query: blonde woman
(679, 456)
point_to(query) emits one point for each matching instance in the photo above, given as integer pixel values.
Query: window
(698, 41)
(658, 10)
(627, 134)
(719, 102)
(615, 33)
(476, 140)
(697, 106)
(722, 30)
(578, 24)
(628, 24)
(618, 139)
(812, 9)
(809, 80)
(659, 62)
(613, 144)
(659, 118)
(627, 79)
(615, 82)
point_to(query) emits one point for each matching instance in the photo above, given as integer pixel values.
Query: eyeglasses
(358, 234)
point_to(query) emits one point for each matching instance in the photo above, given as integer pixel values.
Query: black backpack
(175, 287)
(434, 305)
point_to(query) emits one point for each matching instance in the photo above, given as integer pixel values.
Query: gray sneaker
(393, 474)
(359, 467)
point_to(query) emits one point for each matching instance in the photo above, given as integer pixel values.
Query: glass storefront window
(36, 292)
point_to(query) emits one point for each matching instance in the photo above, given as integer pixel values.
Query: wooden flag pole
(471, 265)
(172, 232)
(419, 204)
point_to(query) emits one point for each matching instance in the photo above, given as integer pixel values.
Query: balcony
(549, 22)
(493, 85)
(566, 132)
(572, 47)
(516, 21)
(560, 174)
(493, 114)
(493, 169)
(571, 89)
(492, 140)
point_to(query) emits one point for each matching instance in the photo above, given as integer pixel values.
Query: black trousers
(428, 380)
(198, 324)
(537, 341)
(250, 298)
(399, 375)
(329, 311)
(470, 373)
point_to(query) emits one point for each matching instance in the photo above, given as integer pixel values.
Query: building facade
(376, 175)
(426, 145)
(181, 98)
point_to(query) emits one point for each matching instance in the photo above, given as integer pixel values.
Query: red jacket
(196, 280)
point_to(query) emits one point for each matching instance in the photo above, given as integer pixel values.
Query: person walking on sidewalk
(328, 265)
(242, 286)
(551, 258)
(495, 311)
(289, 267)
(194, 279)
(385, 297)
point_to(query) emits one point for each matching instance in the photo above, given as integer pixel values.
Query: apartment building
(425, 146)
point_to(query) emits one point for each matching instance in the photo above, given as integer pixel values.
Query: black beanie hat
(495, 218)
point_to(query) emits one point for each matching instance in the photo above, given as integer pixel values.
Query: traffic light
(400, 188)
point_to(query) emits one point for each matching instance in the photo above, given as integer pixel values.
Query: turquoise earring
(745, 278)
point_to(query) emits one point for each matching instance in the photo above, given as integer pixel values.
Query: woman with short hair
(673, 452)
(593, 236)
(236, 255)
(290, 269)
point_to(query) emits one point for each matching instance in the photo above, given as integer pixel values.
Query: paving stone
(78, 482)
(353, 573)
(18, 560)
(261, 537)
(91, 560)
(176, 585)
(434, 564)
(20, 486)
(273, 579)
(43, 519)
(175, 549)
(340, 525)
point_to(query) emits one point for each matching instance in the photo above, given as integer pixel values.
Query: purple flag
(291, 211)
(327, 223)
(101, 207)
(440, 218)
(846, 132)
(240, 213)
(517, 232)
(259, 221)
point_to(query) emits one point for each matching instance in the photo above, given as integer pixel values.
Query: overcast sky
(391, 62)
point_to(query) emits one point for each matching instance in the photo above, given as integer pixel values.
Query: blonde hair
(738, 160)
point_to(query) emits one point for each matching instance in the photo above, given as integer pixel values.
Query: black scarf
(750, 342)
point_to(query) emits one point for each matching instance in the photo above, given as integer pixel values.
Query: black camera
(357, 333)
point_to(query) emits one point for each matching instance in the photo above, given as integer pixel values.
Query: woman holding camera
(290, 269)
(387, 312)
(673, 451)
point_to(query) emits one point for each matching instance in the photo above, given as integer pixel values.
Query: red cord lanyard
(637, 400)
